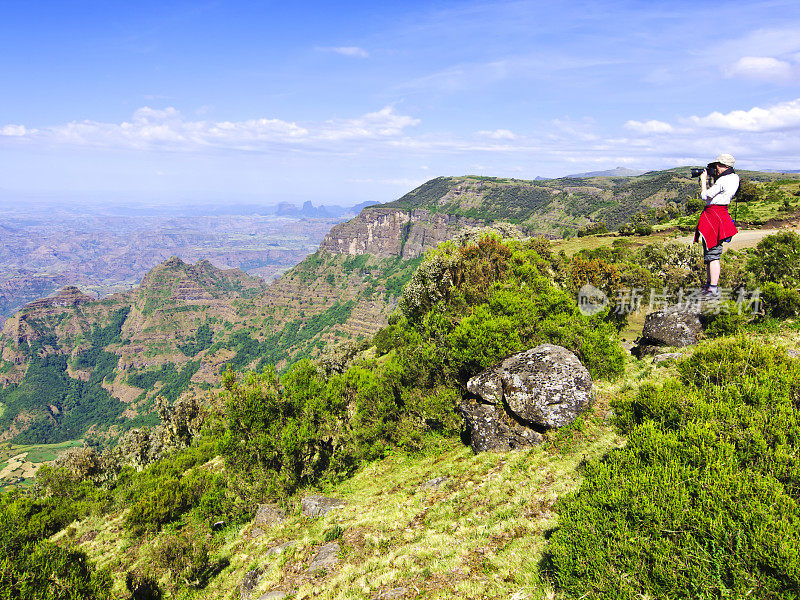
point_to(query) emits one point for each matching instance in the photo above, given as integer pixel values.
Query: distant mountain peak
(618, 172)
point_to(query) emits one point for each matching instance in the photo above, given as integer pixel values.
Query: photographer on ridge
(715, 225)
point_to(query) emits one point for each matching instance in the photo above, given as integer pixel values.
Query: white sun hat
(726, 159)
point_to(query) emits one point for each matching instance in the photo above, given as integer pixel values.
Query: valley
(108, 250)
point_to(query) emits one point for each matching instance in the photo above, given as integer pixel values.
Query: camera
(697, 171)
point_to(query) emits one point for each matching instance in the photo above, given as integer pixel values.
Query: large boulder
(524, 395)
(677, 326)
(490, 427)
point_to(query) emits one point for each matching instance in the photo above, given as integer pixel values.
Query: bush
(728, 319)
(748, 191)
(673, 264)
(694, 205)
(702, 501)
(474, 304)
(167, 488)
(779, 301)
(777, 260)
(185, 556)
(34, 568)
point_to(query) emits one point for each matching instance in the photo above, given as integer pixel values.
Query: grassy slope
(480, 534)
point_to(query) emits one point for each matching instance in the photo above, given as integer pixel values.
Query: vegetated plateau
(680, 481)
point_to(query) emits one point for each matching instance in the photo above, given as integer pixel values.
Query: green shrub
(167, 488)
(474, 304)
(185, 555)
(777, 260)
(694, 205)
(780, 301)
(748, 191)
(726, 319)
(34, 568)
(702, 501)
(165, 503)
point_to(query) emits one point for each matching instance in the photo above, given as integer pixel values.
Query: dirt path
(746, 238)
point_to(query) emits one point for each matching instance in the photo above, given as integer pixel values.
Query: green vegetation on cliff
(58, 406)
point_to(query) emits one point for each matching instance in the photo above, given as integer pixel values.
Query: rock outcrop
(524, 395)
(319, 506)
(676, 326)
(326, 558)
(388, 232)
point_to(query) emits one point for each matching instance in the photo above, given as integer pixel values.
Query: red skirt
(715, 225)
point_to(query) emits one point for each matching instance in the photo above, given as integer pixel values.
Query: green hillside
(680, 481)
(549, 206)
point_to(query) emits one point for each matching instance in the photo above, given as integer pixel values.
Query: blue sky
(352, 101)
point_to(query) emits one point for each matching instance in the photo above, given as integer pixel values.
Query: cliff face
(387, 233)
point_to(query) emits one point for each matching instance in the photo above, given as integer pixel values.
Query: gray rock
(792, 353)
(268, 514)
(256, 532)
(273, 596)
(281, 548)
(525, 394)
(490, 428)
(673, 326)
(434, 483)
(326, 558)
(318, 506)
(546, 385)
(488, 384)
(659, 358)
(249, 583)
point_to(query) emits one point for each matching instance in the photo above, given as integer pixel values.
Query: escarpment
(390, 232)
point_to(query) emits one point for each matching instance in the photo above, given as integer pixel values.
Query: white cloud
(778, 42)
(383, 123)
(352, 51)
(763, 68)
(15, 130)
(648, 127)
(498, 134)
(783, 116)
(167, 129)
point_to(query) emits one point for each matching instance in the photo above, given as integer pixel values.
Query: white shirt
(722, 191)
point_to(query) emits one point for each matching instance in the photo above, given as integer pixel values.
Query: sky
(343, 102)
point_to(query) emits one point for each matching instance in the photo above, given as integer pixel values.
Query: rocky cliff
(391, 232)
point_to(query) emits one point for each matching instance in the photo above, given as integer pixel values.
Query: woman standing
(715, 225)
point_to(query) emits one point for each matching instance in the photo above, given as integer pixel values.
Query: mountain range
(63, 357)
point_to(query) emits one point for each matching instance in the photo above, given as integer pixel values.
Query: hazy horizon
(341, 104)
